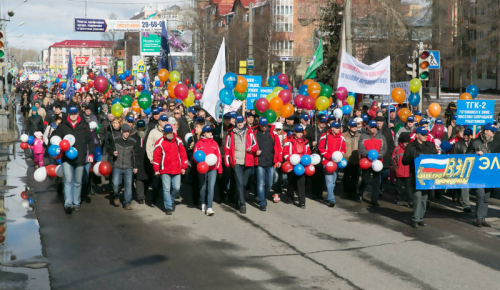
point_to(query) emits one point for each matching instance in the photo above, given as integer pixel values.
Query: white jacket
(153, 136)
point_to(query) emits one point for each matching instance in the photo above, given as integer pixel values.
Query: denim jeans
(241, 175)
(264, 181)
(330, 179)
(86, 174)
(128, 175)
(210, 178)
(171, 186)
(72, 184)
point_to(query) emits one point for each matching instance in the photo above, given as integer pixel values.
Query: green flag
(316, 61)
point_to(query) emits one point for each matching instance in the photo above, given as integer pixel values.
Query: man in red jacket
(169, 161)
(331, 142)
(403, 185)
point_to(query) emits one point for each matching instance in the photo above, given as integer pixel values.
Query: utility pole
(250, 35)
(347, 26)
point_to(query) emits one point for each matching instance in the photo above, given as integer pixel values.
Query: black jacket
(412, 151)
(479, 144)
(33, 124)
(143, 165)
(127, 151)
(109, 142)
(84, 142)
(460, 147)
(183, 128)
(386, 132)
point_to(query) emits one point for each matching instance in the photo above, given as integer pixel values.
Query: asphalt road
(351, 246)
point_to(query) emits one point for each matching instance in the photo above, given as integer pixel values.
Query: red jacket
(397, 158)
(296, 146)
(169, 157)
(329, 143)
(209, 146)
(278, 154)
(251, 142)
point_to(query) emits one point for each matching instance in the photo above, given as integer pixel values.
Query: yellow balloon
(351, 100)
(137, 93)
(277, 89)
(322, 103)
(278, 114)
(189, 101)
(269, 97)
(175, 76)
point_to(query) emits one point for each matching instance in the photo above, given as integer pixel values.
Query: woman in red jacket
(296, 144)
(207, 180)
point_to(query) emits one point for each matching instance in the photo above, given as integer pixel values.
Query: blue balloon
(342, 164)
(446, 146)
(414, 99)
(97, 151)
(230, 80)
(143, 80)
(299, 169)
(157, 83)
(226, 96)
(59, 160)
(147, 111)
(115, 101)
(71, 153)
(285, 87)
(31, 200)
(199, 156)
(31, 140)
(473, 90)
(346, 110)
(97, 158)
(122, 77)
(127, 73)
(273, 81)
(372, 155)
(57, 81)
(63, 86)
(303, 90)
(145, 92)
(54, 150)
(305, 160)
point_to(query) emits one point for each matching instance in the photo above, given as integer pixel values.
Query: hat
(38, 133)
(422, 130)
(104, 106)
(438, 122)
(233, 115)
(263, 121)
(206, 128)
(85, 106)
(129, 119)
(365, 118)
(490, 127)
(379, 119)
(383, 106)
(227, 116)
(495, 122)
(278, 125)
(191, 110)
(372, 123)
(126, 127)
(380, 111)
(331, 117)
(168, 129)
(417, 113)
(73, 110)
(305, 117)
(240, 119)
(34, 109)
(141, 124)
(37, 102)
(335, 125)
(410, 119)
(155, 111)
(454, 117)
(358, 120)
(351, 123)
(200, 119)
(299, 128)
(423, 122)
(249, 114)
(172, 121)
(92, 125)
(467, 131)
(323, 119)
(291, 118)
(392, 109)
(163, 118)
(404, 137)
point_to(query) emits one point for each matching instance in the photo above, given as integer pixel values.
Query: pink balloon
(344, 103)
(283, 79)
(438, 131)
(309, 103)
(299, 101)
(197, 96)
(341, 93)
(192, 89)
(289, 87)
(262, 105)
(101, 84)
(181, 91)
(285, 95)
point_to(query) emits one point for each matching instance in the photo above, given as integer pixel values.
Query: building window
(282, 48)
(283, 15)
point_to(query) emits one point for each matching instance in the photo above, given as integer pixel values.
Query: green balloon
(397, 127)
(326, 91)
(98, 130)
(270, 116)
(240, 96)
(321, 84)
(126, 101)
(144, 101)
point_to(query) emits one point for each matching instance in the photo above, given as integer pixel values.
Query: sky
(50, 21)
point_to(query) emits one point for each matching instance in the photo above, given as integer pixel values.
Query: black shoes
(173, 207)
(243, 209)
(331, 203)
(478, 223)
(485, 224)
(422, 224)
(359, 199)
(302, 206)
(168, 211)
(141, 201)
(68, 209)
(262, 208)
(414, 224)
(375, 204)
(467, 209)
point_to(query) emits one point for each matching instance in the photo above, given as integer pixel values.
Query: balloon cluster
(204, 161)
(51, 170)
(234, 87)
(102, 168)
(371, 160)
(301, 165)
(26, 141)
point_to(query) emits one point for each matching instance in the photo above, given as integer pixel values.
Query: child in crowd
(38, 149)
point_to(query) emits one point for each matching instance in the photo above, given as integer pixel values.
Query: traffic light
(423, 65)
(413, 71)
(2, 48)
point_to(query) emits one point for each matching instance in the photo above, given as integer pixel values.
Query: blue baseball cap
(263, 121)
(495, 122)
(291, 118)
(423, 122)
(467, 131)
(365, 118)
(141, 124)
(335, 125)
(129, 119)
(352, 123)
(168, 129)
(323, 119)
(422, 130)
(240, 119)
(155, 111)
(417, 113)
(249, 114)
(206, 128)
(392, 109)
(331, 117)
(454, 117)
(233, 115)
(372, 123)
(227, 116)
(191, 110)
(200, 119)
(410, 119)
(73, 110)
(490, 127)
(305, 117)
(299, 128)
(438, 122)
(383, 106)
(163, 118)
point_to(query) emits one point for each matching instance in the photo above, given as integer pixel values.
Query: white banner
(360, 78)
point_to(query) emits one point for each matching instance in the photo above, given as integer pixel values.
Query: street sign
(134, 72)
(250, 63)
(141, 68)
(477, 112)
(434, 59)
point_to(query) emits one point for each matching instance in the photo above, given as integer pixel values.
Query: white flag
(210, 101)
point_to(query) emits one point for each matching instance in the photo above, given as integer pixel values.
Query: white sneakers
(210, 212)
(203, 208)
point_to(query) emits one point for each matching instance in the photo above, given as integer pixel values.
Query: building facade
(83, 53)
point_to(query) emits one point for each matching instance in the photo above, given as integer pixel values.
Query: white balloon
(55, 140)
(188, 135)
(96, 169)
(71, 139)
(337, 156)
(140, 76)
(315, 159)
(157, 78)
(118, 87)
(338, 113)
(165, 93)
(138, 83)
(25, 203)
(93, 125)
(24, 138)
(59, 171)
(211, 159)
(40, 174)
(78, 86)
(295, 159)
(377, 165)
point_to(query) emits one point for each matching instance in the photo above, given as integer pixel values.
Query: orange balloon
(163, 75)
(403, 114)
(287, 110)
(308, 81)
(466, 96)
(241, 84)
(331, 101)
(398, 95)
(170, 89)
(434, 110)
(314, 89)
(417, 119)
(135, 107)
(276, 104)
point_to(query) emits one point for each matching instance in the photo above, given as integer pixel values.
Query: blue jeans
(330, 179)
(241, 175)
(86, 173)
(128, 175)
(210, 178)
(265, 177)
(72, 184)
(171, 186)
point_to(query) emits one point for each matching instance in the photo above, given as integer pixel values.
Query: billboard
(82, 61)
(120, 66)
(180, 42)
(108, 25)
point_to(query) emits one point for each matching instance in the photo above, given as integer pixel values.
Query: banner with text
(404, 85)
(108, 25)
(475, 112)
(361, 78)
(180, 42)
(82, 61)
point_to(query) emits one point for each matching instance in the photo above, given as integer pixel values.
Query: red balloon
(24, 145)
(287, 167)
(187, 81)
(192, 89)
(289, 87)
(309, 103)
(91, 84)
(59, 156)
(129, 78)
(198, 86)
(262, 105)
(283, 79)
(105, 168)
(91, 75)
(86, 88)
(24, 195)
(101, 84)
(285, 95)
(202, 167)
(299, 101)
(198, 96)
(51, 170)
(309, 170)
(64, 145)
(365, 163)
(181, 91)
(330, 167)
(139, 88)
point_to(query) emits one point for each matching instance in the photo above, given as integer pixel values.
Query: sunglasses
(177, 113)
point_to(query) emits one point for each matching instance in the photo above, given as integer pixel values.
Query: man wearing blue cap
(409, 127)
(351, 171)
(250, 121)
(393, 117)
(153, 121)
(481, 145)
(289, 124)
(419, 147)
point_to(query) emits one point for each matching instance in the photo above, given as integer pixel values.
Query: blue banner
(477, 112)
(90, 25)
(457, 171)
